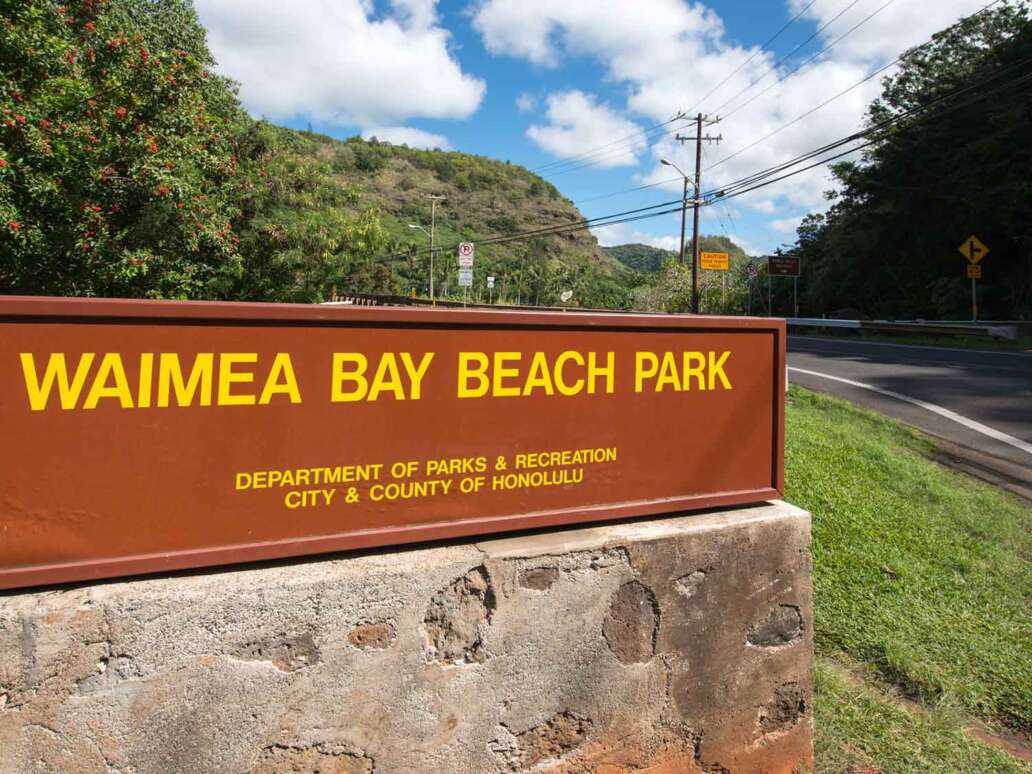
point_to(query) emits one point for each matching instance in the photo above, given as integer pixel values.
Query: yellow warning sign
(715, 261)
(974, 271)
(973, 249)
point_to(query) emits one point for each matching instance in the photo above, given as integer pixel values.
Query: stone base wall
(673, 645)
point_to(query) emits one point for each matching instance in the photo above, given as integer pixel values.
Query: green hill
(645, 258)
(484, 198)
(641, 257)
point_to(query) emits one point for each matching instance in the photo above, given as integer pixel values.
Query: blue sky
(542, 82)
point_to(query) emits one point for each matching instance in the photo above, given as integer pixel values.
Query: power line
(628, 190)
(762, 180)
(902, 58)
(557, 165)
(758, 51)
(769, 176)
(547, 230)
(841, 94)
(813, 58)
(790, 54)
(619, 141)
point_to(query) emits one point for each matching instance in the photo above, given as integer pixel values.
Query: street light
(431, 239)
(684, 212)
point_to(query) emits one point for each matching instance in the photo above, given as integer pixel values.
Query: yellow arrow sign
(973, 249)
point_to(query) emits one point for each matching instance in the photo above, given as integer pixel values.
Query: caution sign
(973, 249)
(715, 261)
(974, 271)
(144, 436)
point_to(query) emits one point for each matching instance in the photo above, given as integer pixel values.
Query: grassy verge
(1020, 344)
(862, 729)
(921, 574)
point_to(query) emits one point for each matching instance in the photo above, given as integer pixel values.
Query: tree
(962, 166)
(117, 165)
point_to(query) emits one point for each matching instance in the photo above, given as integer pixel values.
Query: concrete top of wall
(677, 644)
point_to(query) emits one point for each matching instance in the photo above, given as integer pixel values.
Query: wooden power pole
(699, 140)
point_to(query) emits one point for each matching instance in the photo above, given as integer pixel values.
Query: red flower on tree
(121, 113)
(14, 226)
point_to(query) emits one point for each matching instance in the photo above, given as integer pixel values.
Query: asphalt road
(990, 393)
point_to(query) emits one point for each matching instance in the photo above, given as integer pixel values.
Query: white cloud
(631, 34)
(576, 123)
(337, 63)
(525, 103)
(407, 135)
(890, 31)
(671, 54)
(622, 234)
(786, 225)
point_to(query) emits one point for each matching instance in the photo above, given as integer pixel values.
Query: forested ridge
(888, 244)
(128, 168)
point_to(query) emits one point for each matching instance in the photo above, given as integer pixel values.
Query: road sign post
(717, 262)
(466, 250)
(783, 266)
(974, 249)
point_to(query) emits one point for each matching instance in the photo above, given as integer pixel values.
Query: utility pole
(434, 198)
(699, 140)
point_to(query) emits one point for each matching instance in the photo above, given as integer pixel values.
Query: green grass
(863, 729)
(920, 573)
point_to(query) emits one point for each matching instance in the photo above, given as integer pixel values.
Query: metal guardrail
(925, 328)
(378, 299)
(922, 327)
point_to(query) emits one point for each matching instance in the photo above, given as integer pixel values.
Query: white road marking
(971, 424)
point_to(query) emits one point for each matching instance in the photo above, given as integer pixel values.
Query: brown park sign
(782, 266)
(144, 436)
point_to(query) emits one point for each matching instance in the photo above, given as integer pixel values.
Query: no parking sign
(466, 255)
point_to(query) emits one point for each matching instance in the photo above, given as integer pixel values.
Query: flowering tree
(117, 168)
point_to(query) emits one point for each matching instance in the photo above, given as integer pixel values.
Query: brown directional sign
(146, 436)
(782, 266)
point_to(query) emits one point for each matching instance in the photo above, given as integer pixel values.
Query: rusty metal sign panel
(147, 436)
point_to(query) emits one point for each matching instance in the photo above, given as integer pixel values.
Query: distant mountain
(645, 258)
(641, 257)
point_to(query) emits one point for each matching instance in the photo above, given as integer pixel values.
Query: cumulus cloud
(337, 63)
(674, 54)
(633, 35)
(622, 234)
(890, 31)
(786, 225)
(407, 135)
(577, 123)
